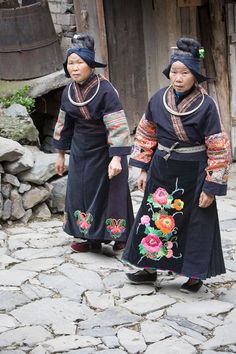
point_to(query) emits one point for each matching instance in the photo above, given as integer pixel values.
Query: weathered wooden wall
(124, 26)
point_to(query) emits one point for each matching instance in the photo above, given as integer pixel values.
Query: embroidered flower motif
(115, 227)
(152, 243)
(160, 196)
(145, 220)
(165, 223)
(84, 221)
(160, 228)
(178, 204)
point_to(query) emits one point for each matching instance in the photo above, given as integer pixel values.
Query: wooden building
(135, 36)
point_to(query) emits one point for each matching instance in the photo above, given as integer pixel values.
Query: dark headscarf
(188, 52)
(86, 54)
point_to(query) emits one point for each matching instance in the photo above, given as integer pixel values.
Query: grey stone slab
(10, 299)
(82, 351)
(39, 265)
(47, 242)
(27, 335)
(7, 322)
(48, 311)
(32, 253)
(130, 290)
(63, 328)
(98, 300)
(111, 317)
(229, 295)
(144, 304)
(39, 350)
(15, 277)
(115, 280)
(46, 224)
(154, 332)
(98, 332)
(3, 235)
(171, 345)
(208, 307)
(223, 335)
(110, 341)
(183, 322)
(231, 317)
(26, 236)
(65, 343)
(6, 260)
(196, 336)
(131, 340)
(17, 351)
(112, 351)
(85, 278)
(66, 287)
(34, 292)
(97, 261)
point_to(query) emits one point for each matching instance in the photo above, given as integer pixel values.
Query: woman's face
(78, 68)
(181, 77)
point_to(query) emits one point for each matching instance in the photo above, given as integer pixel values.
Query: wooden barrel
(29, 46)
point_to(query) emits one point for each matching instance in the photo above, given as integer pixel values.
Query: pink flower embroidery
(169, 245)
(145, 219)
(151, 243)
(160, 196)
(169, 254)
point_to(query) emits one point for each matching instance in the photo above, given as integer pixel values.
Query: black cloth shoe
(191, 288)
(142, 277)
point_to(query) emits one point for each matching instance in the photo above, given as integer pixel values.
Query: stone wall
(63, 17)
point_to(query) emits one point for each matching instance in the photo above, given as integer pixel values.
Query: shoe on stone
(80, 247)
(142, 277)
(118, 246)
(95, 246)
(191, 288)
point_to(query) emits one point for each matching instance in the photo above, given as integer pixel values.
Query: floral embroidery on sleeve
(145, 141)
(118, 130)
(115, 227)
(219, 158)
(84, 221)
(160, 228)
(59, 125)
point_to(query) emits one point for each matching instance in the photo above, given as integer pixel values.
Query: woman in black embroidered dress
(93, 126)
(184, 155)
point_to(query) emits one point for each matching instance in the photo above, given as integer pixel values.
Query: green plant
(20, 96)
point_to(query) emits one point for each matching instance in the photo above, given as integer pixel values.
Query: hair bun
(83, 40)
(189, 45)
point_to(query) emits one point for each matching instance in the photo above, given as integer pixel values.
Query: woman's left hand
(114, 167)
(205, 200)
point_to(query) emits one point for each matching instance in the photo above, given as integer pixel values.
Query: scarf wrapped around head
(189, 52)
(86, 54)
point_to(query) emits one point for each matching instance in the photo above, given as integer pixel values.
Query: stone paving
(54, 301)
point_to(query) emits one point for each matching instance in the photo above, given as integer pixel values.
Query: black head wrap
(189, 52)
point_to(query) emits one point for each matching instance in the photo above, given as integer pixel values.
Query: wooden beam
(102, 34)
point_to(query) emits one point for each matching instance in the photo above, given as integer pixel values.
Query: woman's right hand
(142, 180)
(60, 164)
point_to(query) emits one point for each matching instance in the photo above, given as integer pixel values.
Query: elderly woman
(93, 126)
(184, 156)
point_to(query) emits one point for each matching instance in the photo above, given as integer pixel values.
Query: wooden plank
(102, 34)
(233, 38)
(124, 26)
(189, 3)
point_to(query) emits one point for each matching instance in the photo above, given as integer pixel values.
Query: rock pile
(28, 182)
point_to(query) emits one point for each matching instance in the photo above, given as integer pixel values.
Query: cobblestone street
(55, 301)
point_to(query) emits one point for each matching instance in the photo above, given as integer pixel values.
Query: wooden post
(219, 54)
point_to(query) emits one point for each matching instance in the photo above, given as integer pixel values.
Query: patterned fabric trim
(118, 129)
(219, 158)
(115, 227)
(182, 107)
(81, 93)
(145, 141)
(59, 125)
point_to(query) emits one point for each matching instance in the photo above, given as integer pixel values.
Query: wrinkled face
(181, 77)
(78, 68)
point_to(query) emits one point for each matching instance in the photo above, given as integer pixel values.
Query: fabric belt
(183, 150)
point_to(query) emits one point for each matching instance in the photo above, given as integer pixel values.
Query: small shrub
(19, 96)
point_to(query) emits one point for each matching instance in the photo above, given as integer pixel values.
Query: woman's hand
(114, 167)
(60, 163)
(142, 180)
(205, 200)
